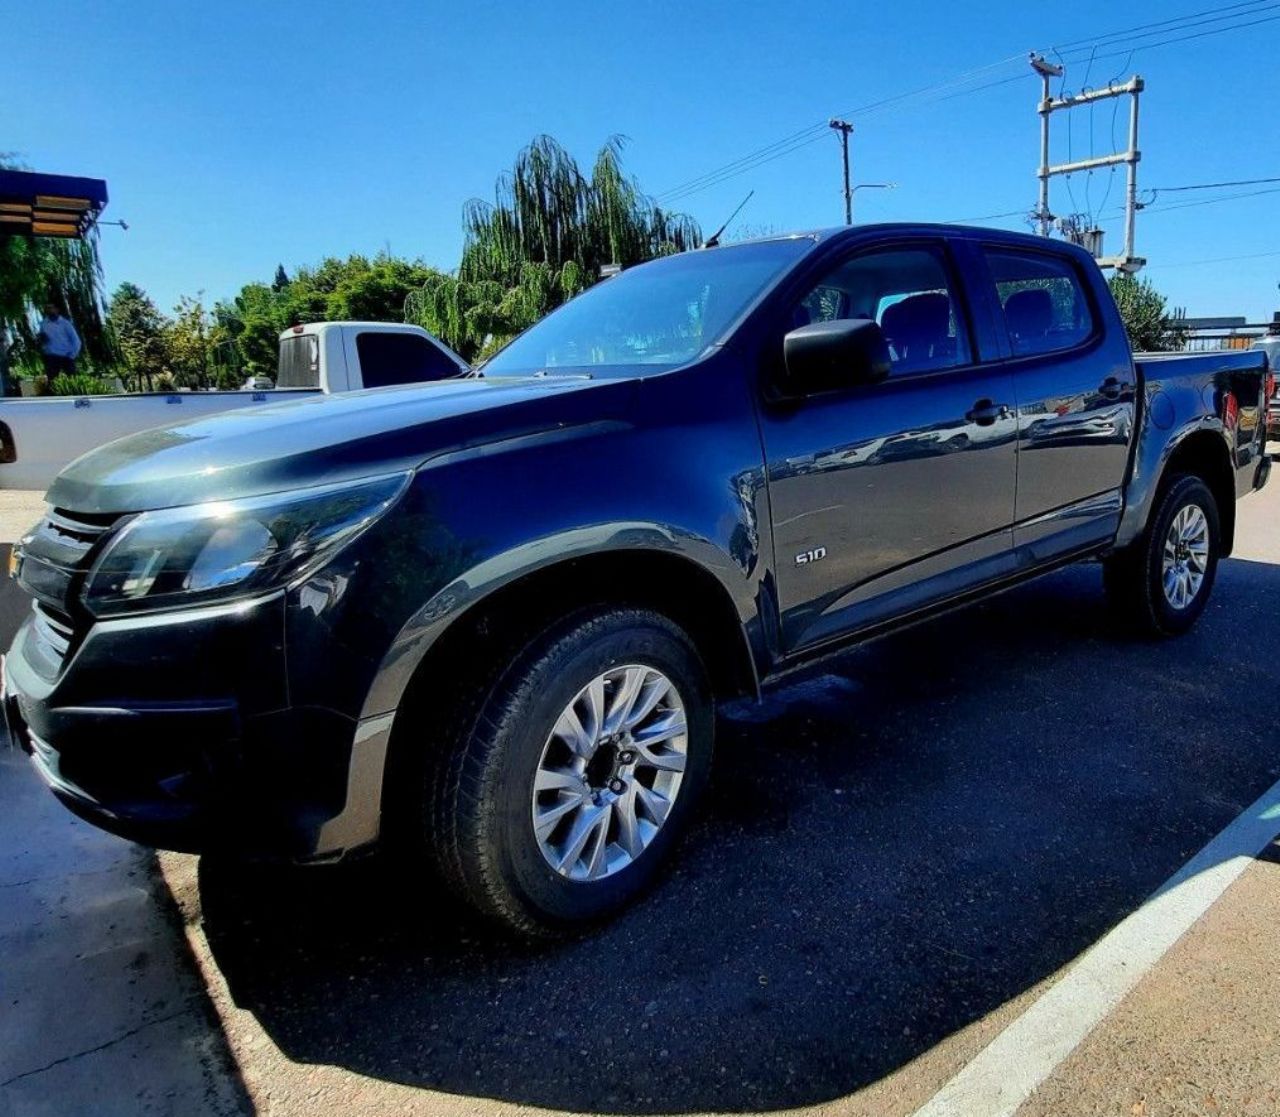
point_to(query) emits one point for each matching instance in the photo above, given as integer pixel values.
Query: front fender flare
(458, 597)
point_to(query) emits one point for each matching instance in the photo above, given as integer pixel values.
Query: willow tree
(543, 239)
(37, 270)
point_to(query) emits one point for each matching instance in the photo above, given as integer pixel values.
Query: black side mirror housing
(827, 356)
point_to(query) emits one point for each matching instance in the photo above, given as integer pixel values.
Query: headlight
(210, 552)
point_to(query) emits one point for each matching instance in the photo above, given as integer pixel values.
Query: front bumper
(176, 731)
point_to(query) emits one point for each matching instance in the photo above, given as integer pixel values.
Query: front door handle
(985, 412)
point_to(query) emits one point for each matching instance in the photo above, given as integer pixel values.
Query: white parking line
(1009, 1069)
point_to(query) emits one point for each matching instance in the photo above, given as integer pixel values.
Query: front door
(886, 498)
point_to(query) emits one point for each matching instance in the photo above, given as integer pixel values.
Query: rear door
(1075, 393)
(888, 497)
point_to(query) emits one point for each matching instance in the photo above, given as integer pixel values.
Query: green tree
(139, 331)
(251, 323)
(356, 288)
(1150, 327)
(544, 239)
(366, 290)
(192, 338)
(281, 280)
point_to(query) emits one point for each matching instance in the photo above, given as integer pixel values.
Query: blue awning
(43, 205)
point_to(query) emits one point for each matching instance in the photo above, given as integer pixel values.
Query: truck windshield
(656, 316)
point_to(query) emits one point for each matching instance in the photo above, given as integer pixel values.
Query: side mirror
(825, 356)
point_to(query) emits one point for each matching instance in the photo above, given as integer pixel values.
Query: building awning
(43, 205)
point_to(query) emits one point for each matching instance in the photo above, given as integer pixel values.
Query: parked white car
(40, 436)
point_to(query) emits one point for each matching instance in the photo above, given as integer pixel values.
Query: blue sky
(238, 135)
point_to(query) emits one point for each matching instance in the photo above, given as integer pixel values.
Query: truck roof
(389, 327)
(923, 228)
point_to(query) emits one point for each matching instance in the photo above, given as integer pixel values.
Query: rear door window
(1044, 303)
(400, 358)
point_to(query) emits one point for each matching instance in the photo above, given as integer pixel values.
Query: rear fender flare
(1151, 464)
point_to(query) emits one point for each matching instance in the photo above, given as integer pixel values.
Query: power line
(1167, 26)
(676, 194)
(987, 217)
(1216, 260)
(1235, 16)
(1150, 209)
(816, 132)
(811, 134)
(1213, 185)
(1162, 23)
(1198, 35)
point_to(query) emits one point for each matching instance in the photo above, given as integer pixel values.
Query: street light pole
(844, 128)
(874, 186)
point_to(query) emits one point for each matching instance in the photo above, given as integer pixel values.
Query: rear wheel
(577, 773)
(1163, 580)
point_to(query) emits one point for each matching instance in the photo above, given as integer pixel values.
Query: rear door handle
(985, 412)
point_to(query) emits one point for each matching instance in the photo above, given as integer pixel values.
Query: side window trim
(990, 333)
(944, 251)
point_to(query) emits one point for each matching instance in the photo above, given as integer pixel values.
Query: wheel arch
(1203, 453)
(529, 595)
(1199, 449)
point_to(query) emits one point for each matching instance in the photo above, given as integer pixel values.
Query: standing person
(4, 359)
(59, 342)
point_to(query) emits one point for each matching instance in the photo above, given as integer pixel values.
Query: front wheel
(1163, 580)
(579, 773)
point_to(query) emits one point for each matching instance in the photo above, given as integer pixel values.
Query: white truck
(41, 435)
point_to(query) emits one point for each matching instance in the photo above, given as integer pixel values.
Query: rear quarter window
(400, 358)
(1045, 306)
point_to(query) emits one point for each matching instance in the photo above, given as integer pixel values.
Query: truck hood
(323, 439)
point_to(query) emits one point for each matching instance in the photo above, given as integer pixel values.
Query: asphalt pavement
(895, 859)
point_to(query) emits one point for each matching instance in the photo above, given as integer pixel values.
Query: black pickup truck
(486, 622)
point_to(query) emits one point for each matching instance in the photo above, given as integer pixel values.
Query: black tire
(476, 820)
(1134, 576)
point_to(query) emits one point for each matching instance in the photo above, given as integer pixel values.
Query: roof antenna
(714, 239)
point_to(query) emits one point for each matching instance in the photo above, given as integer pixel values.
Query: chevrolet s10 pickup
(486, 622)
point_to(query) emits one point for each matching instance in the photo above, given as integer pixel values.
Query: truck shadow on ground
(888, 853)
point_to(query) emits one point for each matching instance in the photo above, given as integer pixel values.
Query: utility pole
(844, 128)
(1046, 70)
(1127, 261)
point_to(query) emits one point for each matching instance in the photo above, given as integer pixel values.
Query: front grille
(58, 549)
(69, 538)
(55, 630)
(54, 557)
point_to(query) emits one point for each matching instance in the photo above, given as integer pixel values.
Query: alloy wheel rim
(1186, 556)
(609, 772)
